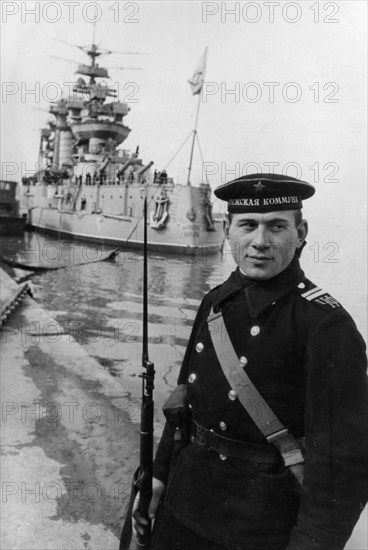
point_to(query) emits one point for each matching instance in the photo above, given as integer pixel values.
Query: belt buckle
(200, 436)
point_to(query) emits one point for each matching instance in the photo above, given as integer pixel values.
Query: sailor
(131, 176)
(163, 176)
(269, 353)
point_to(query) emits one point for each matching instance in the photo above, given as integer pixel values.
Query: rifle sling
(252, 401)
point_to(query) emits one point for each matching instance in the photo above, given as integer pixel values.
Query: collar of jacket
(261, 294)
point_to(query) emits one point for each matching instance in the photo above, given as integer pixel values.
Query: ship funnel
(143, 170)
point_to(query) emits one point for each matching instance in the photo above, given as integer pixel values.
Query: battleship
(89, 188)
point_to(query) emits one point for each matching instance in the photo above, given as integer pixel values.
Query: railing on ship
(119, 182)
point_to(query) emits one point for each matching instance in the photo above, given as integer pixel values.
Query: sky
(298, 88)
(285, 90)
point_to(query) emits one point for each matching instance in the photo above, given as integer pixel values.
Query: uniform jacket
(307, 359)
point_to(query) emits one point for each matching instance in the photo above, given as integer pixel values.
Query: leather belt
(211, 441)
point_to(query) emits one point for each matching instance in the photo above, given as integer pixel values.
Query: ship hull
(203, 249)
(179, 235)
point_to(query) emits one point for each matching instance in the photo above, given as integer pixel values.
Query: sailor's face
(263, 244)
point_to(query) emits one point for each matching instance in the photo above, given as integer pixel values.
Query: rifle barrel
(142, 480)
(145, 289)
(147, 410)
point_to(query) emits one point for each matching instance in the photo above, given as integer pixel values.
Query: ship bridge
(100, 129)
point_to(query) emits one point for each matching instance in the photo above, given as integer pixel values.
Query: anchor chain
(12, 304)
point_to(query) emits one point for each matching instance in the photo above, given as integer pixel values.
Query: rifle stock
(146, 452)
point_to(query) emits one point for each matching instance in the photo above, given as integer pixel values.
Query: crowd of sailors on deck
(159, 178)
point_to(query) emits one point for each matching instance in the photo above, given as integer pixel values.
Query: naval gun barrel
(143, 170)
(124, 167)
(104, 163)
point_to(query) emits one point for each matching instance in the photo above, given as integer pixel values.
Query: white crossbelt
(252, 401)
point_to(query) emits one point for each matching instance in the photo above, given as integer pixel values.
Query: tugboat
(11, 223)
(88, 187)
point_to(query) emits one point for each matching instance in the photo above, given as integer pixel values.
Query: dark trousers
(169, 534)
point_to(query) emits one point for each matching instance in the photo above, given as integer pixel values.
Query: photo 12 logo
(324, 172)
(270, 92)
(53, 92)
(71, 12)
(70, 491)
(70, 412)
(271, 12)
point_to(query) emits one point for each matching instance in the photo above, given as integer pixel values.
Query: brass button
(192, 438)
(243, 361)
(301, 285)
(255, 330)
(190, 406)
(223, 457)
(223, 426)
(192, 377)
(199, 347)
(232, 395)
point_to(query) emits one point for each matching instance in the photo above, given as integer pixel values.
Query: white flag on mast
(196, 82)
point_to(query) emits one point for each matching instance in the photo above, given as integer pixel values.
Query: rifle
(142, 479)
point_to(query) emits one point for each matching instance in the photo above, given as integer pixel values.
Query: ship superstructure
(88, 187)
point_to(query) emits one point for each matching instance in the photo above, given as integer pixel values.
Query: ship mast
(194, 137)
(199, 75)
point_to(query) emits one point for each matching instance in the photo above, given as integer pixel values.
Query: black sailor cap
(264, 193)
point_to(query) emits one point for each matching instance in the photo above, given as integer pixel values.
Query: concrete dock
(69, 447)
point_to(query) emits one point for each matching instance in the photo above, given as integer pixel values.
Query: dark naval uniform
(304, 354)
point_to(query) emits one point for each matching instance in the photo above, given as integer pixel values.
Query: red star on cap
(259, 186)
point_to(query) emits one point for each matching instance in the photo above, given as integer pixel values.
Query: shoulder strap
(248, 395)
(316, 295)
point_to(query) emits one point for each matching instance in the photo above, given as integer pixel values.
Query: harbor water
(100, 303)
